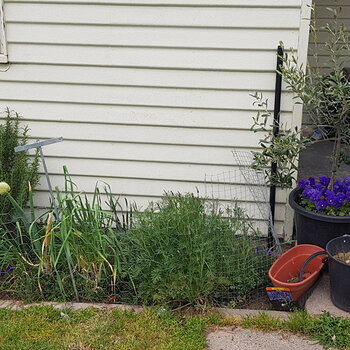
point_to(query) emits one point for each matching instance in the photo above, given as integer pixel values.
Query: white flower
(4, 187)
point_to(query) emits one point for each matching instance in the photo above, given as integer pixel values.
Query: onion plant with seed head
(79, 253)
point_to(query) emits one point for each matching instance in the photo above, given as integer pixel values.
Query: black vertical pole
(276, 122)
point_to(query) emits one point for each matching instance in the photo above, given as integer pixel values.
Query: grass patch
(43, 328)
(329, 331)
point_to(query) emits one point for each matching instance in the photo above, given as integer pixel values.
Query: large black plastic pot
(339, 272)
(314, 228)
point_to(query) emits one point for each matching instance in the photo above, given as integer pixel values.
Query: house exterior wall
(324, 16)
(149, 95)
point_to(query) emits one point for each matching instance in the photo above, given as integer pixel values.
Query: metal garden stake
(39, 145)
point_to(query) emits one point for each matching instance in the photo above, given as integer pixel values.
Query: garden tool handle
(311, 257)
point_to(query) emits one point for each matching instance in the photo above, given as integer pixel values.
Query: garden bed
(182, 251)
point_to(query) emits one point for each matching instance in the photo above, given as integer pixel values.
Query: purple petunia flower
(338, 186)
(324, 180)
(324, 198)
(312, 181)
(303, 183)
(330, 197)
(322, 204)
(339, 199)
(314, 195)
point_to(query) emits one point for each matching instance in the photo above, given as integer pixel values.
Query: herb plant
(282, 148)
(179, 252)
(16, 169)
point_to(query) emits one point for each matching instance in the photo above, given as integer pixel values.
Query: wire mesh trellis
(246, 188)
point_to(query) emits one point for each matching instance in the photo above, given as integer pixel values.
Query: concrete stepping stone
(232, 338)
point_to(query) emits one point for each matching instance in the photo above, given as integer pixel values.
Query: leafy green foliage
(17, 169)
(179, 253)
(325, 95)
(282, 149)
(331, 331)
(324, 91)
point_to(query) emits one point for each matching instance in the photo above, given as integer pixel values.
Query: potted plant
(322, 206)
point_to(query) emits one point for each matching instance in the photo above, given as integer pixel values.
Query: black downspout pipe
(276, 129)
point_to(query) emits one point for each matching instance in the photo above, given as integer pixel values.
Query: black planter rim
(310, 214)
(330, 256)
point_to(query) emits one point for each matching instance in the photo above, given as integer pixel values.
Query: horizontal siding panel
(153, 16)
(324, 16)
(321, 39)
(322, 11)
(251, 81)
(214, 3)
(330, 3)
(68, 113)
(139, 153)
(143, 57)
(74, 113)
(189, 173)
(130, 96)
(324, 21)
(323, 62)
(136, 134)
(149, 95)
(156, 37)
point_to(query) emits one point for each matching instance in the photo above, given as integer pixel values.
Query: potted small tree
(322, 205)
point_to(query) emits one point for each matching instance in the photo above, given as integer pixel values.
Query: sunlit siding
(149, 95)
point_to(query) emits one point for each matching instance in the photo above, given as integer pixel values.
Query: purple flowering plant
(318, 196)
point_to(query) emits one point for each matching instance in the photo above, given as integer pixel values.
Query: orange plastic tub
(284, 271)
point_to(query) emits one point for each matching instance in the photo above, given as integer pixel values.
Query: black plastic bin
(339, 272)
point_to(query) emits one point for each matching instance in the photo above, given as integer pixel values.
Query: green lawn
(44, 328)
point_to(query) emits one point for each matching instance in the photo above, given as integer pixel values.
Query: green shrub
(177, 253)
(17, 169)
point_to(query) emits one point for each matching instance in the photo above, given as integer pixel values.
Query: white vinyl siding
(3, 45)
(324, 16)
(149, 95)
